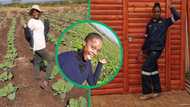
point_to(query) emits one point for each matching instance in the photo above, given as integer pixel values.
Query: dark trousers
(150, 76)
(40, 56)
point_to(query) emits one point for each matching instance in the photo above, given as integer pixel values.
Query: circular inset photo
(89, 54)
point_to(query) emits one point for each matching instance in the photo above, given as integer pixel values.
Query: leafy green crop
(6, 76)
(11, 54)
(73, 103)
(8, 91)
(54, 72)
(12, 96)
(81, 102)
(61, 86)
(51, 38)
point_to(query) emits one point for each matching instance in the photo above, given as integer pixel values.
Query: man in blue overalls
(155, 38)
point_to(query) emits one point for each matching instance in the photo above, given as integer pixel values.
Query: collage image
(94, 53)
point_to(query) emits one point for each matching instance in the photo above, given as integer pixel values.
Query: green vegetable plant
(61, 86)
(80, 102)
(8, 91)
(11, 53)
(6, 76)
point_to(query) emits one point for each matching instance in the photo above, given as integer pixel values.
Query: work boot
(154, 95)
(145, 96)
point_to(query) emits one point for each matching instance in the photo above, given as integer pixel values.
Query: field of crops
(11, 53)
(8, 90)
(16, 71)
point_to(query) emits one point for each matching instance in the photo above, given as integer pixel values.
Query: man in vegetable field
(155, 37)
(76, 65)
(36, 32)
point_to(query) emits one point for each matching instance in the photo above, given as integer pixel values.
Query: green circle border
(57, 54)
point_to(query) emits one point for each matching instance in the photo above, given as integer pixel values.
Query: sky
(106, 31)
(26, 1)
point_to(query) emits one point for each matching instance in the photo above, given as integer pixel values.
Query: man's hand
(103, 61)
(24, 25)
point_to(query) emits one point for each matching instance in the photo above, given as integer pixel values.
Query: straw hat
(35, 7)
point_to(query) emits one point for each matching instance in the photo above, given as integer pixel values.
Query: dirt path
(167, 99)
(29, 93)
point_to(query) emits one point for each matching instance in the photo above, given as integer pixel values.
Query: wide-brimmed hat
(35, 7)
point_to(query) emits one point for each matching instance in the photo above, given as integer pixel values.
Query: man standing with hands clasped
(36, 34)
(155, 38)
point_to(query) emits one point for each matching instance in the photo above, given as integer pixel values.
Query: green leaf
(82, 102)
(54, 72)
(10, 75)
(61, 86)
(3, 93)
(6, 76)
(8, 89)
(73, 103)
(8, 61)
(12, 96)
